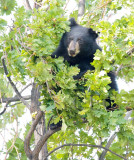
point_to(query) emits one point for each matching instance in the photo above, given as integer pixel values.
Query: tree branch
(128, 114)
(25, 87)
(81, 9)
(27, 4)
(41, 126)
(37, 4)
(49, 122)
(86, 145)
(5, 108)
(27, 149)
(42, 141)
(131, 50)
(12, 84)
(14, 99)
(35, 95)
(107, 146)
(22, 44)
(34, 154)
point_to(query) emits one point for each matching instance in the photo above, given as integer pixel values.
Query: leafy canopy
(28, 44)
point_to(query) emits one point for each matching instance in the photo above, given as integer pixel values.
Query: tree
(88, 130)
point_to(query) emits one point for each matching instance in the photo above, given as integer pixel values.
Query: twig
(21, 43)
(15, 104)
(48, 89)
(66, 4)
(129, 52)
(105, 4)
(5, 108)
(121, 67)
(12, 146)
(91, 98)
(13, 99)
(104, 12)
(85, 145)
(17, 153)
(12, 84)
(3, 139)
(16, 47)
(37, 4)
(49, 122)
(25, 87)
(102, 6)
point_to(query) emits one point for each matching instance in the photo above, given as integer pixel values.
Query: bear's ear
(72, 22)
(93, 33)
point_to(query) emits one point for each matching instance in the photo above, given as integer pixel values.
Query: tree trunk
(41, 128)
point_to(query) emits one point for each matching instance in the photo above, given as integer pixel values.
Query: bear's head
(79, 39)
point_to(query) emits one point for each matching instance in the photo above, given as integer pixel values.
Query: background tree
(88, 130)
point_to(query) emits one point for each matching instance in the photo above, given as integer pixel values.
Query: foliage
(18, 147)
(7, 6)
(28, 44)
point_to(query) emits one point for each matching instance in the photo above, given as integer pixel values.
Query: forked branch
(32, 155)
(27, 148)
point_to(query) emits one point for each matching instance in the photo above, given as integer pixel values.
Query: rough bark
(34, 155)
(81, 9)
(40, 128)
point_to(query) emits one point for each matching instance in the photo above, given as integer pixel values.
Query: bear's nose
(72, 52)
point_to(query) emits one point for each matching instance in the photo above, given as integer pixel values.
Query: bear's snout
(72, 53)
(73, 48)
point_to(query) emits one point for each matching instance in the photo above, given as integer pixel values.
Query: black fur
(86, 39)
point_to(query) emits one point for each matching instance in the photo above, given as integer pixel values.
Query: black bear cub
(78, 46)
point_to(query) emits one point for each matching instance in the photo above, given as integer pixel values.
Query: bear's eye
(79, 39)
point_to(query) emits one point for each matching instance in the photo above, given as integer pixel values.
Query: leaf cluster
(7, 6)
